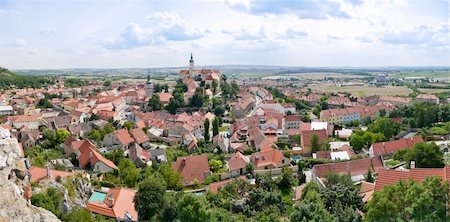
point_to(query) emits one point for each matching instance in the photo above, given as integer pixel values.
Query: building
(6, 110)
(193, 169)
(428, 98)
(118, 139)
(117, 203)
(206, 75)
(90, 157)
(292, 121)
(390, 147)
(306, 137)
(39, 174)
(237, 164)
(269, 158)
(31, 122)
(148, 87)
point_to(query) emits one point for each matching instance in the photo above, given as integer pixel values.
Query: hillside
(9, 80)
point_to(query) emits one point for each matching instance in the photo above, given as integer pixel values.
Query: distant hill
(9, 80)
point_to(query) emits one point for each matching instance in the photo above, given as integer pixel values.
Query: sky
(141, 34)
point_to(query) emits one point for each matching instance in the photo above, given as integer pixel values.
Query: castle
(206, 75)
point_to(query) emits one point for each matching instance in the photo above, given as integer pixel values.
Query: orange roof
(89, 155)
(192, 167)
(268, 156)
(389, 147)
(214, 187)
(353, 167)
(124, 136)
(308, 134)
(123, 202)
(38, 174)
(139, 135)
(164, 97)
(237, 161)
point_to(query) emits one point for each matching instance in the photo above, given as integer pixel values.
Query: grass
(435, 74)
(364, 90)
(223, 129)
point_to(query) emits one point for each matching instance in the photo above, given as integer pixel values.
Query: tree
(44, 103)
(410, 201)
(287, 180)
(426, 156)
(315, 146)
(357, 142)
(249, 167)
(384, 126)
(197, 100)
(128, 125)
(79, 215)
(128, 172)
(215, 165)
(94, 135)
(52, 199)
(191, 208)
(150, 197)
(215, 125)
(172, 106)
(172, 177)
(206, 133)
(107, 83)
(311, 208)
(369, 177)
(154, 103)
(61, 135)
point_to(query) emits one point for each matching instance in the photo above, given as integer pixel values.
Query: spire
(148, 77)
(192, 58)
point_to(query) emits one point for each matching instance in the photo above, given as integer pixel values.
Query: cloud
(8, 12)
(162, 27)
(333, 37)
(18, 43)
(364, 39)
(307, 9)
(245, 33)
(47, 31)
(291, 33)
(412, 36)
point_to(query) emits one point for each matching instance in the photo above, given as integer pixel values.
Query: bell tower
(191, 65)
(148, 86)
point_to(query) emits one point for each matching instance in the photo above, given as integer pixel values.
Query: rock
(13, 206)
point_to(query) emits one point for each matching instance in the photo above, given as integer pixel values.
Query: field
(433, 74)
(322, 75)
(364, 90)
(432, 91)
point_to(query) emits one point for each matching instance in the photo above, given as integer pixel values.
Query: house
(140, 137)
(117, 203)
(6, 110)
(118, 139)
(269, 158)
(165, 98)
(31, 122)
(58, 122)
(349, 114)
(193, 169)
(390, 147)
(78, 116)
(222, 142)
(90, 157)
(157, 155)
(237, 164)
(72, 145)
(306, 137)
(292, 121)
(390, 177)
(428, 98)
(242, 107)
(355, 168)
(39, 174)
(108, 115)
(139, 156)
(216, 186)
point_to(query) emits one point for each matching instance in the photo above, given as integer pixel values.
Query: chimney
(257, 156)
(413, 164)
(183, 161)
(111, 200)
(49, 174)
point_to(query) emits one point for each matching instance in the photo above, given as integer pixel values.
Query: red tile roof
(192, 168)
(89, 155)
(389, 147)
(214, 187)
(38, 174)
(123, 202)
(390, 177)
(353, 167)
(237, 161)
(266, 157)
(124, 136)
(139, 135)
(307, 135)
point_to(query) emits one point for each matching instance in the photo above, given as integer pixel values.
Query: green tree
(61, 135)
(44, 103)
(215, 165)
(369, 177)
(287, 180)
(172, 177)
(311, 208)
(215, 125)
(426, 156)
(79, 215)
(206, 128)
(128, 172)
(150, 197)
(410, 201)
(197, 100)
(128, 125)
(384, 126)
(172, 106)
(107, 83)
(154, 103)
(52, 200)
(94, 135)
(357, 142)
(192, 208)
(315, 146)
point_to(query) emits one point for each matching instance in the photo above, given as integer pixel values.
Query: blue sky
(120, 34)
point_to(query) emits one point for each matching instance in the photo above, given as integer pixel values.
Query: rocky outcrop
(13, 206)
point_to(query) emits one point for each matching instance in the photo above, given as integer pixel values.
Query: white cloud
(47, 31)
(18, 43)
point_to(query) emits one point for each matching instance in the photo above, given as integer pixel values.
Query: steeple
(191, 64)
(148, 86)
(148, 77)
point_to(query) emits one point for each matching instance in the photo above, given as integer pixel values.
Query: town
(208, 148)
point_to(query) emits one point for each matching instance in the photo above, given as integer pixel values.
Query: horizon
(132, 34)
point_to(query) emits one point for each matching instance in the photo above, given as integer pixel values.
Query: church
(206, 75)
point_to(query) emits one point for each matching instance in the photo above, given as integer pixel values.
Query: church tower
(148, 86)
(191, 65)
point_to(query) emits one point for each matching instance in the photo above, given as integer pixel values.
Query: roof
(237, 161)
(124, 136)
(139, 135)
(165, 97)
(353, 167)
(38, 174)
(389, 147)
(214, 187)
(308, 134)
(192, 168)
(390, 177)
(268, 156)
(89, 155)
(123, 202)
